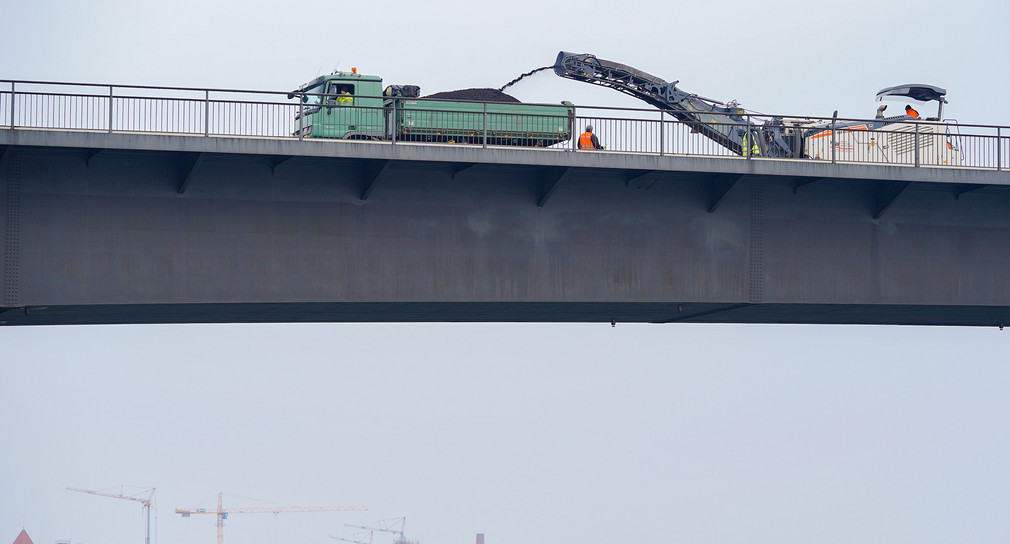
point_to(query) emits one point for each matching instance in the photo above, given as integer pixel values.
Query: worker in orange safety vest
(588, 140)
(910, 111)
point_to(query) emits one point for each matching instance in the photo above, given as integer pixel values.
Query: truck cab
(345, 105)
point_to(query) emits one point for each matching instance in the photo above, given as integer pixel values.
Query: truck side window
(342, 93)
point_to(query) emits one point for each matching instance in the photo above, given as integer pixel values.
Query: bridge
(152, 205)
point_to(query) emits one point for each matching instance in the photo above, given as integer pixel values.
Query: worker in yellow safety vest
(588, 140)
(752, 148)
(345, 98)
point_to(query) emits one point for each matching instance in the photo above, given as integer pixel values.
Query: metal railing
(281, 115)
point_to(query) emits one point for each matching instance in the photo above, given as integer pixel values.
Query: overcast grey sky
(532, 434)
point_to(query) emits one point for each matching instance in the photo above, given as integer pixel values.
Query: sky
(532, 433)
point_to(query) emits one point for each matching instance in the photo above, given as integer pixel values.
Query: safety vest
(754, 149)
(586, 141)
(345, 99)
(912, 113)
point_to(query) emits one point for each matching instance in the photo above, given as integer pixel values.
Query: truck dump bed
(419, 119)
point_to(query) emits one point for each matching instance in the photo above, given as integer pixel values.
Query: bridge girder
(170, 229)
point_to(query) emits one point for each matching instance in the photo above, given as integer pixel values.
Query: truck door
(340, 116)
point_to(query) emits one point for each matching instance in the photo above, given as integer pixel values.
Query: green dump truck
(354, 106)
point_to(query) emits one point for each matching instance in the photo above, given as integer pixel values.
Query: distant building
(23, 538)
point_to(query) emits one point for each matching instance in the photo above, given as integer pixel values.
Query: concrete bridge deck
(149, 228)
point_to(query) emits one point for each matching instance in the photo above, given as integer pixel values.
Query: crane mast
(221, 513)
(146, 502)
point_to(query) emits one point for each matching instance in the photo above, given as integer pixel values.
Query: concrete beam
(639, 177)
(800, 183)
(962, 189)
(886, 193)
(370, 175)
(549, 179)
(190, 162)
(719, 189)
(91, 154)
(460, 168)
(277, 161)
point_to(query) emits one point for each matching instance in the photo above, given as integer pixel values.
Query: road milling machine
(898, 139)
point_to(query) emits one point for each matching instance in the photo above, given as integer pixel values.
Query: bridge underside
(514, 312)
(121, 229)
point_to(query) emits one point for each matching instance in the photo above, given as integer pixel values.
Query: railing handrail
(130, 86)
(760, 115)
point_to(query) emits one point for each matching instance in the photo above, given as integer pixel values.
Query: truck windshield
(313, 95)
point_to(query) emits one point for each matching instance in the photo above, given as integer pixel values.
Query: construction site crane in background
(353, 541)
(386, 526)
(222, 514)
(146, 502)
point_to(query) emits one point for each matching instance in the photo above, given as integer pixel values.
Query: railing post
(834, 140)
(12, 105)
(999, 149)
(748, 143)
(393, 124)
(575, 139)
(662, 132)
(916, 125)
(301, 117)
(110, 109)
(206, 112)
(484, 145)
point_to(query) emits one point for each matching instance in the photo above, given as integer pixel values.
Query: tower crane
(352, 541)
(146, 502)
(222, 513)
(386, 526)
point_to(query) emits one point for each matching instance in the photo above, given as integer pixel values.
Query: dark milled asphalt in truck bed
(479, 95)
(485, 94)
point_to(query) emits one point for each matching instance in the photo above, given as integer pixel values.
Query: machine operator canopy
(915, 91)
